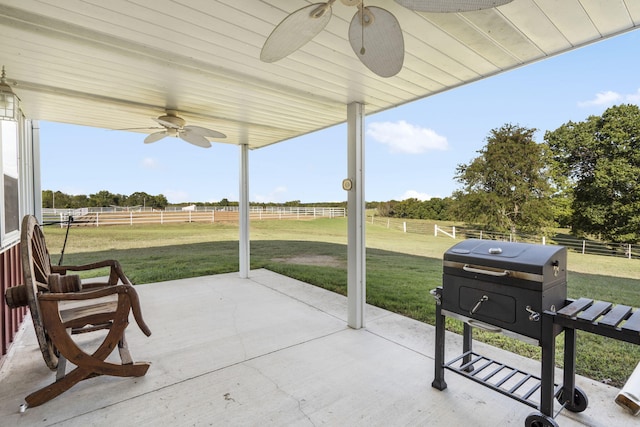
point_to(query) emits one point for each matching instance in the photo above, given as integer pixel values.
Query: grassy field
(401, 270)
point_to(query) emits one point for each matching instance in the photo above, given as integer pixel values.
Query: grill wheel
(536, 419)
(580, 401)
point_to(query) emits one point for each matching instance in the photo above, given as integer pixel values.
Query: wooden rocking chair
(61, 306)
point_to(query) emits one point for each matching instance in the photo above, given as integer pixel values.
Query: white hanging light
(9, 101)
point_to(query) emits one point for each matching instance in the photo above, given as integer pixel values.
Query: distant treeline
(434, 208)
(104, 198)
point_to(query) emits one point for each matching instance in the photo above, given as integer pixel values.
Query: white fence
(583, 246)
(97, 217)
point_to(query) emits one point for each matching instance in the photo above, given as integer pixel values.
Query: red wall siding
(10, 275)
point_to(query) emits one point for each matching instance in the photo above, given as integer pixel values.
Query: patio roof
(272, 350)
(117, 64)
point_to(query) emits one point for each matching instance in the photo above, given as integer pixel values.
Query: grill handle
(470, 269)
(483, 326)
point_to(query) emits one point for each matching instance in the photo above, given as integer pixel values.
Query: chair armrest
(115, 272)
(126, 289)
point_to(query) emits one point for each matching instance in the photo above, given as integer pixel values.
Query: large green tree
(507, 187)
(600, 157)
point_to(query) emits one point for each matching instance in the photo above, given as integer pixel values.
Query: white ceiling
(116, 64)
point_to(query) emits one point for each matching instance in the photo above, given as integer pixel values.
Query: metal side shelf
(509, 381)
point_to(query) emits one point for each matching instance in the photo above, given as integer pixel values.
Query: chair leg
(123, 349)
(61, 370)
(74, 377)
(87, 365)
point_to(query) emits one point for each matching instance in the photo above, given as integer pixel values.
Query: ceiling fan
(374, 33)
(173, 125)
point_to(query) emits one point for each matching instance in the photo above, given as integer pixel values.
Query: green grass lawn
(401, 270)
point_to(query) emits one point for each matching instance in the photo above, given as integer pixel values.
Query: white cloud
(633, 98)
(274, 196)
(403, 137)
(413, 194)
(610, 98)
(150, 163)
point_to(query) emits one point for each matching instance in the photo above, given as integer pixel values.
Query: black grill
(521, 290)
(504, 285)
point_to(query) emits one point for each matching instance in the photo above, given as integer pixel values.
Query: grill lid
(512, 256)
(509, 250)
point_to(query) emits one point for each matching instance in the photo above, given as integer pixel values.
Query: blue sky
(410, 151)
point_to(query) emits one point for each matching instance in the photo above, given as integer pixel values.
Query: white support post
(356, 255)
(244, 211)
(35, 171)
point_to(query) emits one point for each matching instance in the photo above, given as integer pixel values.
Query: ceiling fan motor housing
(175, 121)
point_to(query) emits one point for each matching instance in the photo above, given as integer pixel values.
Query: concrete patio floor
(270, 350)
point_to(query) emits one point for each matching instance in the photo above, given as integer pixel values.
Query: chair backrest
(36, 270)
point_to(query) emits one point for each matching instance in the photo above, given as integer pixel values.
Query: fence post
(480, 234)
(544, 240)
(213, 215)
(388, 223)
(454, 231)
(161, 217)
(435, 230)
(629, 250)
(404, 226)
(130, 218)
(583, 246)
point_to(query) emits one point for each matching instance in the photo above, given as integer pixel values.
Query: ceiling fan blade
(376, 38)
(210, 133)
(450, 5)
(194, 138)
(295, 31)
(157, 136)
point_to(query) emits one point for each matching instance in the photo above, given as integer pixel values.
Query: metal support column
(547, 383)
(438, 377)
(356, 272)
(244, 211)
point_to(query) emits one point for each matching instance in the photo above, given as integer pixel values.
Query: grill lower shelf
(515, 383)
